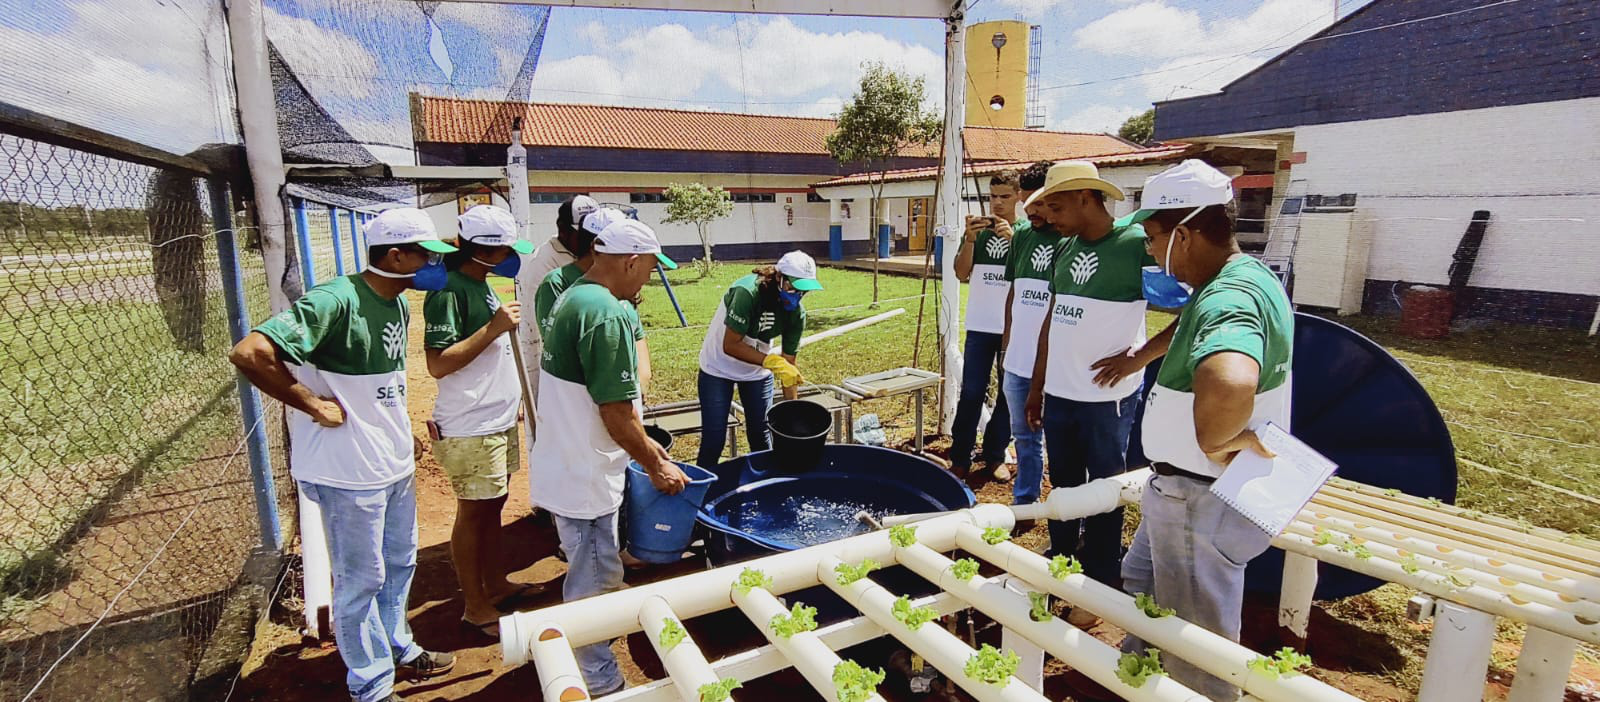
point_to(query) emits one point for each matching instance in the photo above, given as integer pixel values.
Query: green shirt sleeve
(793, 329)
(1228, 321)
(442, 319)
(543, 299)
(299, 330)
(1018, 243)
(610, 361)
(633, 319)
(741, 304)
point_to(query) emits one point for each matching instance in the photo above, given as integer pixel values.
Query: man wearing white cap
(1097, 311)
(738, 353)
(1227, 372)
(591, 418)
(556, 252)
(346, 341)
(474, 426)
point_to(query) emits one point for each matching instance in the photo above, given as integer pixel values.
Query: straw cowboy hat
(1074, 175)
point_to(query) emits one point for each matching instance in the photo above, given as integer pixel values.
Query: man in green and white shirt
(1227, 372)
(1097, 310)
(981, 262)
(1030, 264)
(591, 424)
(337, 357)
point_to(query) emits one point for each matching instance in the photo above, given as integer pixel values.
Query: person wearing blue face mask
(474, 426)
(737, 351)
(337, 357)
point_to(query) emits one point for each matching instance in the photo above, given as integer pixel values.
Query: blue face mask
(791, 299)
(505, 269)
(1162, 288)
(430, 277)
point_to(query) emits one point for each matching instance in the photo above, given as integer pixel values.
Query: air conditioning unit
(1330, 254)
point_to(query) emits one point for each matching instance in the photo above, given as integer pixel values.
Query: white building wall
(1536, 168)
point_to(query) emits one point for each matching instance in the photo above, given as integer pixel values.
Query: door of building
(920, 223)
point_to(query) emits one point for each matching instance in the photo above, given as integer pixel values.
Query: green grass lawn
(1522, 400)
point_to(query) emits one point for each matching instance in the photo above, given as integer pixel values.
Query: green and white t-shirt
(1243, 309)
(741, 311)
(557, 282)
(482, 397)
(1029, 267)
(986, 298)
(1098, 311)
(348, 342)
(576, 469)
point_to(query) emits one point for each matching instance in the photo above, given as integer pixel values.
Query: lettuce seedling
(718, 691)
(800, 618)
(995, 535)
(902, 536)
(912, 617)
(991, 667)
(853, 683)
(848, 574)
(1133, 669)
(672, 634)
(1040, 611)
(1063, 566)
(1286, 661)
(964, 569)
(1151, 609)
(750, 578)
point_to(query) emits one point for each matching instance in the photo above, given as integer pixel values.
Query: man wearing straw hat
(1226, 373)
(1097, 311)
(590, 414)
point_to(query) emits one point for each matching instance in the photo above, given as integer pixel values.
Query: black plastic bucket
(799, 431)
(661, 436)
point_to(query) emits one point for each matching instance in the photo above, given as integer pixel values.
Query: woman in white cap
(474, 426)
(738, 352)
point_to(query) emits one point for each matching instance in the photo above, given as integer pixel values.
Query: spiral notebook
(1271, 491)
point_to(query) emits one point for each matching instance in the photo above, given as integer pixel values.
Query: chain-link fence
(125, 481)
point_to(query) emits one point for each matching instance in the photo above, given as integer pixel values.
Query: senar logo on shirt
(997, 247)
(1041, 257)
(493, 300)
(394, 340)
(1083, 267)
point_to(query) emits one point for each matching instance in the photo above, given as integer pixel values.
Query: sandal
(490, 629)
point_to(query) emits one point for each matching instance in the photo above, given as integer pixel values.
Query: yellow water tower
(997, 66)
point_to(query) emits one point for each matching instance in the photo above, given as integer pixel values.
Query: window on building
(639, 198)
(543, 198)
(754, 197)
(813, 197)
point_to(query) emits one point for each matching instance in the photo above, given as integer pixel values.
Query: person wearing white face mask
(1227, 371)
(353, 457)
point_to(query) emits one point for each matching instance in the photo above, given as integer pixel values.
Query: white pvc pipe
(847, 328)
(1543, 667)
(948, 206)
(258, 120)
(1474, 595)
(1030, 668)
(1012, 609)
(517, 195)
(766, 660)
(1551, 540)
(1095, 497)
(1206, 650)
(1458, 654)
(560, 679)
(1299, 588)
(938, 647)
(609, 616)
(685, 664)
(805, 650)
(316, 569)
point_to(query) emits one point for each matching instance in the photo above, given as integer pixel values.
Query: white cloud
(1096, 118)
(769, 62)
(328, 62)
(1031, 8)
(1202, 56)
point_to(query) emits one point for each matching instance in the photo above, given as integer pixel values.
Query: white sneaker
(1002, 473)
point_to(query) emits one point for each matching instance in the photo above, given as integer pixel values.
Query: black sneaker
(428, 664)
(391, 698)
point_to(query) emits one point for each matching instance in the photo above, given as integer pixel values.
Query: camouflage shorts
(479, 466)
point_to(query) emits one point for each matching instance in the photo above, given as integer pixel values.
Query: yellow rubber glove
(787, 374)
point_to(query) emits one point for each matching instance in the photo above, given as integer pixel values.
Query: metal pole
(249, 399)
(302, 231)
(258, 121)
(338, 252)
(355, 240)
(682, 321)
(949, 207)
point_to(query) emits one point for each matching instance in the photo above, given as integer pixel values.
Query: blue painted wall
(1512, 54)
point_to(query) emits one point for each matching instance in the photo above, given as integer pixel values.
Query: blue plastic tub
(660, 526)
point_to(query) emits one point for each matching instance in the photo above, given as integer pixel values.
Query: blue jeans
(594, 567)
(1190, 553)
(372, 546)
(716, 401)
(1030, 442)
(981, 358)
(1086, 441)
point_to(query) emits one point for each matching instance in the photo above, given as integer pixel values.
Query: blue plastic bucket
(660, 526)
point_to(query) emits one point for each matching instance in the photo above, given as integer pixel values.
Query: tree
(887, 115)
(698, 204)
(1140, 128)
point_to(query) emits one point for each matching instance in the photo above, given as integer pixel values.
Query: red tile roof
(1157, 154)
(451, 120)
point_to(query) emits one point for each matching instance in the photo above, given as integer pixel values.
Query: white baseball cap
(405, 225)
(583, 205)
(597, 220)
(1189, 185)
(630, 236)
(492, 226)
(801, 270)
